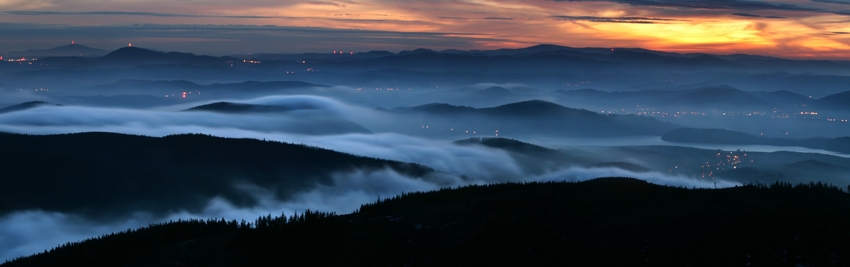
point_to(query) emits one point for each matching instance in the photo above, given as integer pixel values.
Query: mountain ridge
(604, 221)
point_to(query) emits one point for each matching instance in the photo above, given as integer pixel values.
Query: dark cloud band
(636, 20)
(712, 4)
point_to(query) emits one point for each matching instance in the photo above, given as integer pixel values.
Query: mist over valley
(96, 141)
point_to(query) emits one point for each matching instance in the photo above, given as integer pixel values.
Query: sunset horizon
(785, 29)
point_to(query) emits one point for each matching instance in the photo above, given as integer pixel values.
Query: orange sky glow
(791, 29)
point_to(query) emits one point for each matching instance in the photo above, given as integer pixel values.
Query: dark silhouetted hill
(134, 56)
(839, 102)
(438, 108)
(538, 108)
(106, 174)
(507, 144)
(71, 50)
(176, 87)
(536, 117)
(25, 106)
(229, 107)
(601, 222)
(121, 101)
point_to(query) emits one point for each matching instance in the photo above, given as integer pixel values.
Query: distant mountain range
(71, 50)
(106, 174)
(548, 67)
(135, 56)
(702, 98)
(158, 87)
(600, 222)
(536, 58)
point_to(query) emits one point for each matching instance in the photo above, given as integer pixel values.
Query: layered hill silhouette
(106, 174)
(608, 221)
(230, 107)
(157, 87)
(135, 56)
(839, 102)
(138, 55)
(25, 106)
(535, 117)
(544, 66)
(71, 50)
(531, 158)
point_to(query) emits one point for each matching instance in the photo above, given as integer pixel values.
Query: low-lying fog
(32, 231)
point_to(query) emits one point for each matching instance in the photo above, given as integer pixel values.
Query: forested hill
(602, 222)
(107, 174)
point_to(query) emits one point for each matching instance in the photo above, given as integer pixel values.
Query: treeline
(610, 221)
(812, 185)
(139, 245)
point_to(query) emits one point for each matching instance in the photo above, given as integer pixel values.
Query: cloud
(231, 39)
(473, 18)
(29, 232)
(712, 4)
(306, 115)
(636, 20)
(32, 231)
(126, 13)
(324, 3)
(756, 16)
(840, 2)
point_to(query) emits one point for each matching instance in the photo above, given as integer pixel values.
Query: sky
(803, 29)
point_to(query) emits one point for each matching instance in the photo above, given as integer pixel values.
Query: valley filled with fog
(137, 136)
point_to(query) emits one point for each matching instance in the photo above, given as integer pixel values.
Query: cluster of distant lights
(22, 59)
(183, 95)
(777, 114)
(724, 161)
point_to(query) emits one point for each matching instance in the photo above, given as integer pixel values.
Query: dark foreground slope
(619, 221)
(106, 174)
